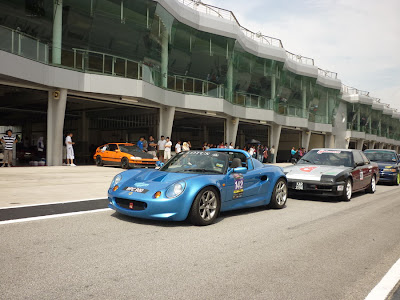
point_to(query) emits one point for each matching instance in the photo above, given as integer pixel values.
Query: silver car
(332, 172)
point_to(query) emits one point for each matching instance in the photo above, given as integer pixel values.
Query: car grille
(130, 204)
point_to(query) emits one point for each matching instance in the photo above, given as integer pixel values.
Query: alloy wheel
(208, 205)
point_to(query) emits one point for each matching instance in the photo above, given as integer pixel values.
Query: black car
(388, 162)
(332, 172)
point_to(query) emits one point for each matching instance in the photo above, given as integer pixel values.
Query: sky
(358, 39)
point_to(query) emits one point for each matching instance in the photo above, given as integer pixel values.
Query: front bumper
(317, 187)
(387, 176)
(157, 209)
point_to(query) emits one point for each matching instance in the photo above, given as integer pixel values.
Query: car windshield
(328, 157)
(129, 149)
(199, 162)
(384, 156)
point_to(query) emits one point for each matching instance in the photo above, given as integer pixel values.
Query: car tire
(205, 207)
(397, 180)
(124, 163)
(279, 195)
(348, 190)
(99, 161)
(372, 186)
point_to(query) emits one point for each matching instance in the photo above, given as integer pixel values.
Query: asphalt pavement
(312, 249)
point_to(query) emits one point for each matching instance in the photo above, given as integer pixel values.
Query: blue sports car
(197, 185)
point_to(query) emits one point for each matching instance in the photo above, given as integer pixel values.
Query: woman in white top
(185, 146)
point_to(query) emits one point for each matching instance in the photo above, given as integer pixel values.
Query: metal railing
(17, 42)
(229, 15)
(300, 59)
(353, 91)
(327, 73)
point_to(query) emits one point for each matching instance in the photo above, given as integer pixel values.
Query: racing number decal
(238, 190)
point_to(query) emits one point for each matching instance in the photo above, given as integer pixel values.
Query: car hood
(140, 154)
(153, 179)
(312, 172)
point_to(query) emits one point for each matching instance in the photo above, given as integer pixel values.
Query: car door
(358, 174)
(243, 187)
(368, 170)
(112, 152)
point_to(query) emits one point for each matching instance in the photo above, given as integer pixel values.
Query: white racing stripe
(53, 216)
(387, 284)
(51, 203)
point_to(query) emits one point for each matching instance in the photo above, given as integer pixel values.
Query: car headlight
(327, 178)
(175, 190)
(116, 180)
(136, 157)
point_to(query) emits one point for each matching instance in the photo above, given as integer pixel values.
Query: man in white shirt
(161, 148)
(167, 151)
(178, 148)
(70, 150)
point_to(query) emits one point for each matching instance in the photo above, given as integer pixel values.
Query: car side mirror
(241, 170)
(359, 164)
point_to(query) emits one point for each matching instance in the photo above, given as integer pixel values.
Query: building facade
(113, 70)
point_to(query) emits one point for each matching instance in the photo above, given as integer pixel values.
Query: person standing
(272, 152)
(292, 155)
(70, 150)
(140, 143)
(8, 140)
(167, 151)
(152, 146)
(40, 147)
(231, 145)
(185, 146)
(161, 148)
(178, 147)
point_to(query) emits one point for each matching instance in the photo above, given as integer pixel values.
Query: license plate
(299, 186)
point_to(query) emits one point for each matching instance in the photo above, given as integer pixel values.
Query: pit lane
(312, 249)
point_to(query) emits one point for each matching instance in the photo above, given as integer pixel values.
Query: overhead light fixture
(263, 122)
(211, 113)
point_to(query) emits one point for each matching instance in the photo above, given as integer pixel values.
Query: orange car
(125, 155)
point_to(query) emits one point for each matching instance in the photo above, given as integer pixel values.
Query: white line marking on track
(387, 284)
(51, 203)
(53, 216)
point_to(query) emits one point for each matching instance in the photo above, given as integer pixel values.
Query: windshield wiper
(306, 160)
(201, 170)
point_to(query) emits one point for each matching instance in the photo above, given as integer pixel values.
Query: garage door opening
(25, 112)
(96, 122)
(198, 129)
(288, 139)
(249, 131)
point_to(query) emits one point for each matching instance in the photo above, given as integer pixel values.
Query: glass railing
(353, 91)
(290, 110)
(17, 42)
(190, 85)
(252, 100)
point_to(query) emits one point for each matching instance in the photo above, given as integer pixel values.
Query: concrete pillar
(231, 129)
(347, 143)
(164, 59)
(167, 115)
(381, 146)
(55, 126)
(360, 144)
(371, 144)
(358, 119)
(275, 137)
(229, 80)
(57, 31)
(304, 100)
(329, 141)
(305, 139)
